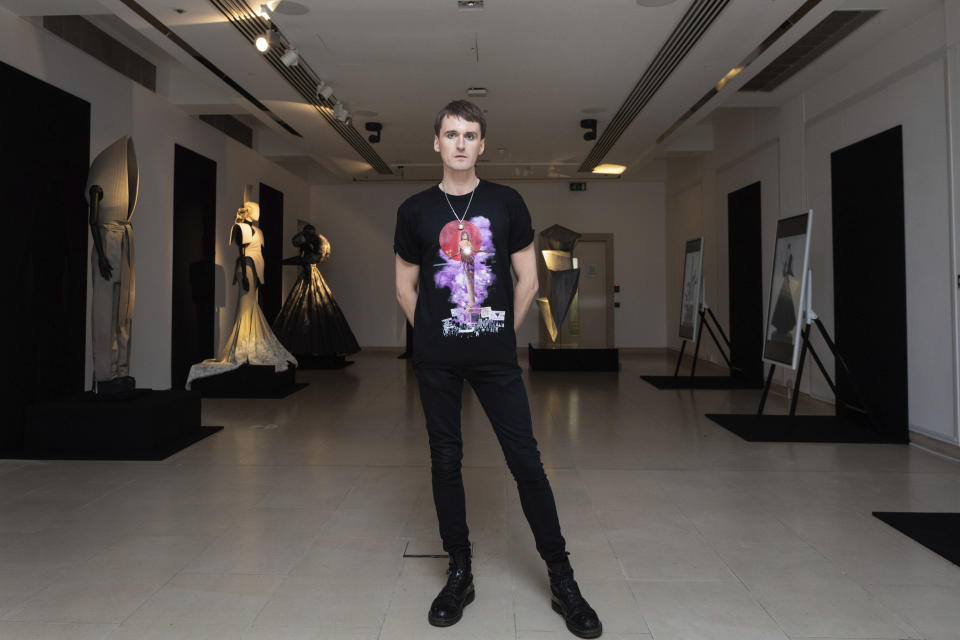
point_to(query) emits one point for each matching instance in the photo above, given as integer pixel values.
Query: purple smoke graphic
(453, 277)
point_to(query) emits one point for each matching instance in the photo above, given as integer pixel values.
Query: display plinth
(573, 359)
(249, 381)
(139, 425)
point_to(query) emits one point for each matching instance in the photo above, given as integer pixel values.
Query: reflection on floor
(292, 523)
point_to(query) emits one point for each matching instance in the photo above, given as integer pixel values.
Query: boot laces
(455, 581)
(570, 592)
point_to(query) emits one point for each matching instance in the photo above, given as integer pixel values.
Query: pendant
(460, 226)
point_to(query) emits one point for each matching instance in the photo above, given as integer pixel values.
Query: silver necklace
(460, 219)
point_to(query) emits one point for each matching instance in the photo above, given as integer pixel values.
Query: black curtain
(271, 223)
(869, 278)
(746, 282)
(194, 268)
(45, 138)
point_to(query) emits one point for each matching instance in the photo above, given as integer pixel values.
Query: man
(457, 241)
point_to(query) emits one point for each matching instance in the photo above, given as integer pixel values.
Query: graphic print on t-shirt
(467, 254)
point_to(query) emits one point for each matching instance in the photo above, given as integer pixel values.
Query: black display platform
(140, 425)
(785, 428)
(939, 532)
(702, 382)
(249, 381)
(322, 362)
(574, 359)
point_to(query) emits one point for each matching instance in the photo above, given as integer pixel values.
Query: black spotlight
(376, 127)
(591, 125)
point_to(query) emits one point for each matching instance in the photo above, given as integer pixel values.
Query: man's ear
(436, 143)
(483, 144)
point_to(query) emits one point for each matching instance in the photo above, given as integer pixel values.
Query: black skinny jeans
(503, 397)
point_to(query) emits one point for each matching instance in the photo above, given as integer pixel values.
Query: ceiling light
(609, 169)
(340, 112)
(477, 92)
(470, 5)
(290, 57)
(324, 90)
(265, 41)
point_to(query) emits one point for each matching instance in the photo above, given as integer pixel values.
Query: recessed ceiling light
(470, 5)
(477, 92)
(609, 169)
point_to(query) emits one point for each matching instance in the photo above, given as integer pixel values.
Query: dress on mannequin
(311, 322)
(251, 340)
(112, 188)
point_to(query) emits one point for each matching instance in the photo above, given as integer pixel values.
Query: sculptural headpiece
(249, 212)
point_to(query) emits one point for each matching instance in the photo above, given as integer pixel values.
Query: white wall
(905, 81)
(359, 220)
(121, 107)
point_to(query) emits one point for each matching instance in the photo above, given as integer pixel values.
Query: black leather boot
(582, 620)
(447, 607)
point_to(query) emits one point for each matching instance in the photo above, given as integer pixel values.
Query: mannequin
(112, 189)
(311, 322)
(251, 340)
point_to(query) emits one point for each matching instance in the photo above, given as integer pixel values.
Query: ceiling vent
(830, 31)
(694, 23)
(82, 34)
(231, 126)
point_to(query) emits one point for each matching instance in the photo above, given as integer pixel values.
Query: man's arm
(525, 266)
(407, 276)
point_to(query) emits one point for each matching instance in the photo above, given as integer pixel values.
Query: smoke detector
(477, 92)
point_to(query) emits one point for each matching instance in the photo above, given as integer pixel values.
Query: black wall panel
(271, 223)
(45, 141)
(746, 282)
(869, 277)
(194, 269)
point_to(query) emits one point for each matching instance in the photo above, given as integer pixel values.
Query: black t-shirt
(465, 305)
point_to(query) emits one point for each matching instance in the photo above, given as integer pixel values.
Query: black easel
(703, 312)
(812, 319)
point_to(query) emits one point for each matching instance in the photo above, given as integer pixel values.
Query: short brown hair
(465, 110)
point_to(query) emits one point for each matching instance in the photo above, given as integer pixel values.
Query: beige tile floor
(293, 522)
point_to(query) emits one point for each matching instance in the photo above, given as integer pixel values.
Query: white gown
(251, 339)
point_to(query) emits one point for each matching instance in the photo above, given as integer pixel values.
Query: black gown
(311, 322)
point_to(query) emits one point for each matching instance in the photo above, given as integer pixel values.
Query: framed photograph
(692, 294)
(788, 285)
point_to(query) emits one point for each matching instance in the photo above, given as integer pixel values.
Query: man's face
(459, 143)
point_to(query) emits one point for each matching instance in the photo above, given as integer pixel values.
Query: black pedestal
(249, 381)
(138, 425)
(574, 359)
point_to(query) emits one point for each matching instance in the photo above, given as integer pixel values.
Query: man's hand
(105, 269)
(525, 266)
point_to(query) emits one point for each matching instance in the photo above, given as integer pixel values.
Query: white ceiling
(546, 64)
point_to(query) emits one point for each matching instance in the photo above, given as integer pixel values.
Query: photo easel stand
(811, 320)
(704, 311)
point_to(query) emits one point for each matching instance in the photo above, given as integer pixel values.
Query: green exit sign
(578, 186)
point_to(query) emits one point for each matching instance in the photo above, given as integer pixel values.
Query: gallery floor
(295, 520)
